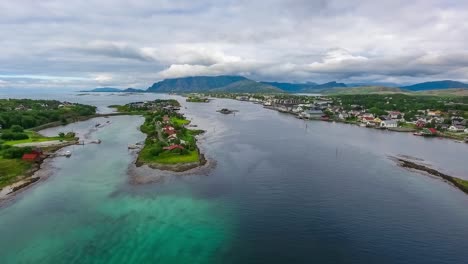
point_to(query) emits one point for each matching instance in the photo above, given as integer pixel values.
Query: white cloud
(134, 43)
(3, 83)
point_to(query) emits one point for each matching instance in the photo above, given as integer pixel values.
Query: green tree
(17, 128)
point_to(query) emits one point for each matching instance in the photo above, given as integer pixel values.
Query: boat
(134, 146)
(68, 153)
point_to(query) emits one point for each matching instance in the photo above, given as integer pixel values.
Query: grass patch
(168, 157)
(462, 182)
(179, 121)
(33, 137)
(454, 135)
(10, 169)
(407, 125)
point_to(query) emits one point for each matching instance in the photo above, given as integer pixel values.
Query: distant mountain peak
(222, 83)
(436, 85)
(113, 90)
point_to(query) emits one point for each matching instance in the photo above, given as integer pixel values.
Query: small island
(22, 149)
(169, 145)
(405, 162)
(197, 99)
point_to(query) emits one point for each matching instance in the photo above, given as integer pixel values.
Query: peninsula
(169, 145)
(22, 149)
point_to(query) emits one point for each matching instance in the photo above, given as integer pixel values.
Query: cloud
(3, 83)
(135, 43)
(112, 50)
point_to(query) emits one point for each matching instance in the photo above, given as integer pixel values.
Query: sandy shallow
(145, 174)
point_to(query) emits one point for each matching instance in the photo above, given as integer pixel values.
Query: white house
(456, 128)
(298, 109)
(368, 115)
(395, 114)
(343, 115)
(389, 123)
(311, 114)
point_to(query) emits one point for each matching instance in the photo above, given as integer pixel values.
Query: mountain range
(240, 84)
(114, 90)
(224, 83)
(437, 85)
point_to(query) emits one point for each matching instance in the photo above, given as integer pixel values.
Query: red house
(31, 156)
(420, 123)
(169, 130)
(172, 147)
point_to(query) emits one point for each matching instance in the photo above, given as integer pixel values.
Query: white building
(456, 128)
(389, 123)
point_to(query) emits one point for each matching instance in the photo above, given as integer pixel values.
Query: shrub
(184, 152)
(15, 153)
(14, 136)
(17, 129)
(156, 150)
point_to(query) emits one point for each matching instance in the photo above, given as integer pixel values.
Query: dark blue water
(329, 194)
(287, 192)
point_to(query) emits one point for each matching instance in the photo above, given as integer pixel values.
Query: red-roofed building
(395, 114)
(429, 132)
(172, 147)
(421, 123)
(31, 156)
(367, 118)
(169, 130)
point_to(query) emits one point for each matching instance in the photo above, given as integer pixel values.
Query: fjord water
(282, 191)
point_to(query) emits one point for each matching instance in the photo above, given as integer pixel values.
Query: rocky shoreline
(180, 167)
(34, 174)
(413, 165)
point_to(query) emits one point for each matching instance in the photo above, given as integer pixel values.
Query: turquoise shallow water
(88, 213)
(281, 192)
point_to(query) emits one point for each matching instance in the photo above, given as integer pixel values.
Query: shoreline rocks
(457, 182)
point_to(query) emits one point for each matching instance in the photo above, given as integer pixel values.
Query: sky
(114, 43)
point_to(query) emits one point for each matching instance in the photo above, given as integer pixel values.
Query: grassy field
(33, 137)
(179, 121)
(364, 90)
(453, 135)
(462, 182)
(10, 169)
(168, 157)
(445, 92)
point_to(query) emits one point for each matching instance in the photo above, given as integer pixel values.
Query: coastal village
(450, 122)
